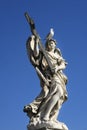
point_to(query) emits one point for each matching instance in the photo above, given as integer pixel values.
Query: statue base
(47, 125)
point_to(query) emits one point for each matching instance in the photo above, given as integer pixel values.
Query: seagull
(50, 34)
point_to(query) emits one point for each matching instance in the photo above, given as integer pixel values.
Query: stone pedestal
(47, 125)
(44, 128)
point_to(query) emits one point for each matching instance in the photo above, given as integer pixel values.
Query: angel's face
(51, 45)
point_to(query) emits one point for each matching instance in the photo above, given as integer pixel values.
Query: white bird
(50, 34)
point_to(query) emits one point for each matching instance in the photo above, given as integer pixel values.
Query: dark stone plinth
(44, 128)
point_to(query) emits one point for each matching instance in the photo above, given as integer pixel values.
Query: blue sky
(19, 84)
